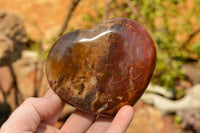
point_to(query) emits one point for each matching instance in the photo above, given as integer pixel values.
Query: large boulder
(12, 37)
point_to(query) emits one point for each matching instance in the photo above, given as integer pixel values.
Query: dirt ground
(44, 18)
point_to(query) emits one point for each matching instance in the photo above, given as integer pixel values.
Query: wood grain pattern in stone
(102, 69)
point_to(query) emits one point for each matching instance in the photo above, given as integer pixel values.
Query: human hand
(40, 115)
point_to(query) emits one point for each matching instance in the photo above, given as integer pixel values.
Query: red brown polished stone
(102, 69)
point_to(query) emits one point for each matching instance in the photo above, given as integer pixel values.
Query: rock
(189, 101)
(30, 78)
(30, 55)
(146, 120)
(191, 119)
(169, 126)
(6, 47)
(192, 71)
(12, 37)
(159, 90)
(102, 69)
(5, 79)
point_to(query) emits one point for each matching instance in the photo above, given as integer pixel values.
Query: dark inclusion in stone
(102, 69)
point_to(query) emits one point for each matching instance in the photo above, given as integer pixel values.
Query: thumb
(28, 116)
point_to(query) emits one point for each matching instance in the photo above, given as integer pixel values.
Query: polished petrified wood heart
(102, 69)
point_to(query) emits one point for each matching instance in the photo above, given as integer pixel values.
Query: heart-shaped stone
(102, 69)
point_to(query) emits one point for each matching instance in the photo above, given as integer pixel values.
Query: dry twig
(73, 5)
(134, 11)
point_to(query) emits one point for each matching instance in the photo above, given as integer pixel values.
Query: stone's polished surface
(102, 69)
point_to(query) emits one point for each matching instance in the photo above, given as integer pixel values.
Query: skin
(40, 114)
